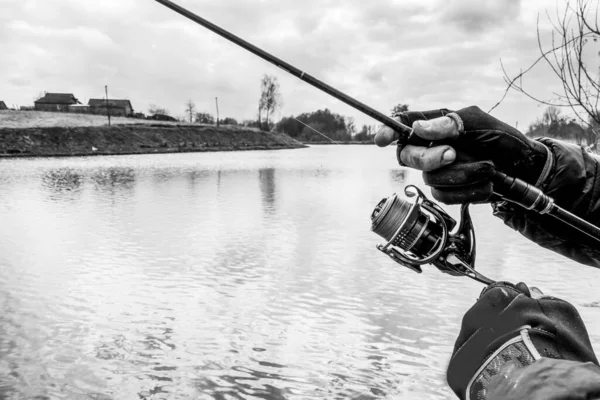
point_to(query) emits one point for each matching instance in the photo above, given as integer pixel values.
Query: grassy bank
(40, 119)
(66, 137)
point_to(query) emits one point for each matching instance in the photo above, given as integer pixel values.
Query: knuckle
(424, 161)
(418, 158)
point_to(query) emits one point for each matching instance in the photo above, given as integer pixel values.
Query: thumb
(385, 136)
(436, 129)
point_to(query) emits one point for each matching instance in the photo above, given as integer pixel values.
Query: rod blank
(403, 130)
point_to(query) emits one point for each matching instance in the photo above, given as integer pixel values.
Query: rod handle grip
(521, 192)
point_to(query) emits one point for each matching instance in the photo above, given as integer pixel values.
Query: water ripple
(231, 276)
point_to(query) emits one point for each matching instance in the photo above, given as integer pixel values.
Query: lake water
(233, 275)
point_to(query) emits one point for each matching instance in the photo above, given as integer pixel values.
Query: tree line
(317, 126)
(554, 124)
(323, 126)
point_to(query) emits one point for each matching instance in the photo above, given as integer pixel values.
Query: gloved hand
(468, 145)
(508, 325)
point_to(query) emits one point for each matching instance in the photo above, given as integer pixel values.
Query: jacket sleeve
(547, 379)
(572, 179)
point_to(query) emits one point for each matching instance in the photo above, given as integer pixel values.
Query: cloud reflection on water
(231, 275)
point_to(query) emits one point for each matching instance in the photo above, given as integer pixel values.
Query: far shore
(41, 134)
(27, 134)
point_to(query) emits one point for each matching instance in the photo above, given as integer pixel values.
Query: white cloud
(87, 36)
(429, 54)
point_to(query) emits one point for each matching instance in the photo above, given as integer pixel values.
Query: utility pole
(217, 103)
(107, 105)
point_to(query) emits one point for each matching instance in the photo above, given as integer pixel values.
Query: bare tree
(551, 114)
(575, 34)
(270, 97)
(190, 108)
(350, 126)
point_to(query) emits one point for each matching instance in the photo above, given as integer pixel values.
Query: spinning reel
(420, 232)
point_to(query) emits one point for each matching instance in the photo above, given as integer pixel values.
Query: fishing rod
(403, 130)
(419, 232)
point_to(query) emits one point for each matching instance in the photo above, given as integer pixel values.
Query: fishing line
(310, 127)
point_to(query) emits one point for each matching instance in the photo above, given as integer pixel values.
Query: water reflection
(165, 174)
(198, 177)
(398, 177)
(9, 375)
(242, 382)
(113, 180)
(62, 184)
(266, 177)
(238, 275)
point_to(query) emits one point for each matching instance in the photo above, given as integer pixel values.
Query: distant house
(120, 108)
(79, 109)
(56, 102)
(3, 106)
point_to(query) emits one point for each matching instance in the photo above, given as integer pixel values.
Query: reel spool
(419, 232)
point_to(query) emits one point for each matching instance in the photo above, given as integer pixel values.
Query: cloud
(475, 16)
(427, 53)
(90, 37)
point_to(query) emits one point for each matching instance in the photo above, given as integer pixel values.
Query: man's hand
(514, 325)
(468, 146)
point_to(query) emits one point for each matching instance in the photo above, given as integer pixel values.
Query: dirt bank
(135, 139)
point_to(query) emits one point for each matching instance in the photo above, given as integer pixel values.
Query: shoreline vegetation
(53, 134)
(46, 134)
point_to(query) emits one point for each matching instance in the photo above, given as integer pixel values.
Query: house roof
(58, 98)
(3, 106)
(113, 103)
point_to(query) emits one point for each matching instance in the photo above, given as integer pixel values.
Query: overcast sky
(429, 54)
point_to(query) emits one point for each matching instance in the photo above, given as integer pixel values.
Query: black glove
(507, 325)
(482, 144)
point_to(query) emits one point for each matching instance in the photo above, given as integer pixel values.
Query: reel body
(420, 232)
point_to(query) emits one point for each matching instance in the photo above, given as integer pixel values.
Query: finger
(460, 175)
(524, 288)
(436, 129)
(409, 117)
(385, 136)
(493, 300)
(427, 159)
(536, 293)
(471, 194)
